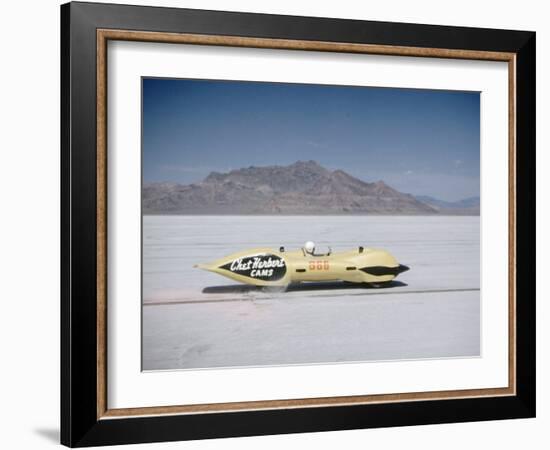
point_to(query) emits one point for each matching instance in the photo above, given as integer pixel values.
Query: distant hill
(300, 188)
(467, 206)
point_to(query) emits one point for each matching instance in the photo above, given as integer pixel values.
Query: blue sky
(423, 142)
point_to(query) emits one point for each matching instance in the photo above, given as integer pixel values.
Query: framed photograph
(276, 224)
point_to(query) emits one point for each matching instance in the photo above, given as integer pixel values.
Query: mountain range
(304, 187)
(467, 206)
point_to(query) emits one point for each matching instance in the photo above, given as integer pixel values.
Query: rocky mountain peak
(304, 187)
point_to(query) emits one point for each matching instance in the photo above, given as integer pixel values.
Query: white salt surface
(198, 319)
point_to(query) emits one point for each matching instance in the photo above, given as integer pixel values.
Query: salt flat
(198, 319)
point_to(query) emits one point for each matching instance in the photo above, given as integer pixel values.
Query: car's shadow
(298, 287)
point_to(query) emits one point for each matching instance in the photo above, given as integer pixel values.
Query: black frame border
(79, 423)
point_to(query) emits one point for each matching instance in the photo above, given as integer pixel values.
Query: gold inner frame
(104, 35)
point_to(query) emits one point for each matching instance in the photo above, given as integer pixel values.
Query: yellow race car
(268, 267)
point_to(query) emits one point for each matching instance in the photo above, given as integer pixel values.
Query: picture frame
(86, 418)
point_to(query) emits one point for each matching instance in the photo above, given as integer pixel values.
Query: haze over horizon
(421, 142)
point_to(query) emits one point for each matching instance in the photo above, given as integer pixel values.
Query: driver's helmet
(309, 247)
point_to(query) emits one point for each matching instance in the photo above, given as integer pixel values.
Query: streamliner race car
(268, 267)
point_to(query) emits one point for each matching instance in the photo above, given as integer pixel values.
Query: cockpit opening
(309, 249)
